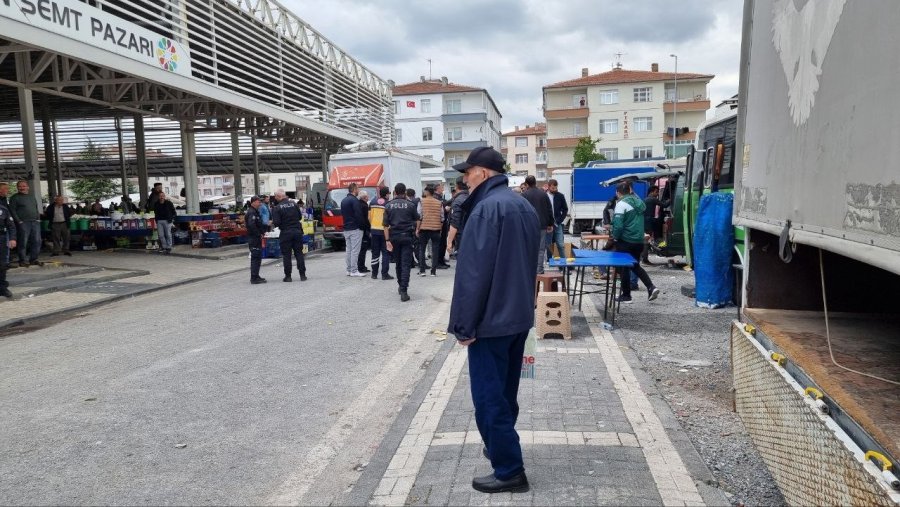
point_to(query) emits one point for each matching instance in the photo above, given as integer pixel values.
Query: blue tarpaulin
(713, 246)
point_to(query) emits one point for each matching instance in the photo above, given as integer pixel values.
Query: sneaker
(374, 275)
(357, 274)
(387, 277)
(623, 299)
(652, 294)
(302, 278)
(434, 274)
(257, 281)
(348, 273)
(287, 279)
(37, 263)
(421, 273)
(404, 296)
(6, 293)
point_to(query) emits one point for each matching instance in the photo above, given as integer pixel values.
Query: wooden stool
(552, 315)
(549, 282)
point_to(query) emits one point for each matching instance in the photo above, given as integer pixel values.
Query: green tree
(586, 151)
(89, 189)
(90, 151)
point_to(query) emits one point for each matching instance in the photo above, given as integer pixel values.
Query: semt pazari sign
(90, 25)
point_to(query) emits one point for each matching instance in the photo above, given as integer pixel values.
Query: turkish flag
(410, 103)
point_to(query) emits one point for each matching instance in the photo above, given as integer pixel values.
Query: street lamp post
(675, 107)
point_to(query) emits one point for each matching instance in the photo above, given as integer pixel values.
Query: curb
(113, 299)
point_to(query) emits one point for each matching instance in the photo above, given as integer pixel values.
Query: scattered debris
(180, 446)
(90, 399)
(360, 467)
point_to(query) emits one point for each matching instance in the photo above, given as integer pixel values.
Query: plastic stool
(552, 315)
(549, 282)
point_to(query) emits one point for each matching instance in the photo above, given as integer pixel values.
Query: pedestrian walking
(380, 255)
(366, 242)
(454, 236)
(445, 226)
(538, 199)
(493, 309)
(429, 229)
(7, 241)
(352, 213)
(164, 212)
(59, 214)
(25, 211)
(628, 234)
(256, 229)
(560, 211)
(287, 214)
(400, 219)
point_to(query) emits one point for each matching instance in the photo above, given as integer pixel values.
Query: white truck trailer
(816, 355)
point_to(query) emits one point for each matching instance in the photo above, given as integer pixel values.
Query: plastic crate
(212, 242)
(273, 248)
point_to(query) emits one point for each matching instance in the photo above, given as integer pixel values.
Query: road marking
(529, 437)
(401, 472)
(354, 419)
(675, 485)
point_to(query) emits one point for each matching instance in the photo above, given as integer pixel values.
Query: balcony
(463, 117)
(698, 103)
(564, 141)
(463, 145)
(567, 113)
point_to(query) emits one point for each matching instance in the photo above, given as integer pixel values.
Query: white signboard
(90, 25)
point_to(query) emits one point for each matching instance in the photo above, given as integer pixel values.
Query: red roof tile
(537, 129)
(431, 86)
(617, 76)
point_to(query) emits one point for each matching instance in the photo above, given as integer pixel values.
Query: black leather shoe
(374, 275)
(363, 270)
(443, 266)
(404, 296)
(387, 277)
(287, 279)
(302, 278)
(6, 293)
(257, 281)
(490, 484)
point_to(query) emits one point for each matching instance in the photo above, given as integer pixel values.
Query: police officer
(7, 241)
(286, 216)
(400, 219)
(256, 227)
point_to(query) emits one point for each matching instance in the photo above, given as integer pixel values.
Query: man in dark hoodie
(538, 199)
(493, 309)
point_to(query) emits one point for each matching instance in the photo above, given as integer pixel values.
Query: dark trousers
(403, 254)
(29, 242)
(442, 246)
(292, 241)
(363, 248)
(59, 232)
(255, 245)
(4, 252)
(424, 238)
(495, 365)
(633, 249)
(380, 255)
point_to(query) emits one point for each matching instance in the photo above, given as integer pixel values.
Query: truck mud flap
(812, 459)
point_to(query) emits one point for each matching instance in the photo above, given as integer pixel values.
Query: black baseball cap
(484, 156)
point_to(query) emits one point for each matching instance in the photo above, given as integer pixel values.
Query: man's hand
(390, 246)
(549, 228)
(466, 343)
(12, 243)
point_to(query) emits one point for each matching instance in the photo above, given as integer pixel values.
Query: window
(426, 134)
(542, 142)
(643, 152)
(643, 94)
(398, 133)
(218, 180)
(609, 126)
(396, 107)
(610, 153)
(426, 106)
(521, 158)
(455, 159)
(282, 182)
(206, 181)
(670, 94)
(643, 124)
(207, 192)
(541, 174)
(502, 143)
(609, 97)
(454, 134)
(541, 157)
(521, 142)
(579, 100)
(454, 106)
(576, 129)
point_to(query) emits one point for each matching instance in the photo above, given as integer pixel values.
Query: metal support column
(255, 167)
(123, 172)
(140, 148)
(236, 163)
(189, 157)
(56, 163)
(29, 139)
(325, 165)
(49, 153)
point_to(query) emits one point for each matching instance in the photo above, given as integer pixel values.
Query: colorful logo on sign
(167, 54)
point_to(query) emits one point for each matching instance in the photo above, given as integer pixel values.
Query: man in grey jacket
(25, 212)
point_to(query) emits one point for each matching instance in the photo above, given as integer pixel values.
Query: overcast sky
(513, 48)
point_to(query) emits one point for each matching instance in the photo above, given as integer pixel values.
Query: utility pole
(675, 107)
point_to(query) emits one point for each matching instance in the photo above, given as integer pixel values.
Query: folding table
(592, 259)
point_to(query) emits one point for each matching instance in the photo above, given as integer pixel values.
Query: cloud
(513, 48)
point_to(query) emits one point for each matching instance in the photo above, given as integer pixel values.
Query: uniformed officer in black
(7, 241)
(286, 215)
(400, 217)
(255, 231)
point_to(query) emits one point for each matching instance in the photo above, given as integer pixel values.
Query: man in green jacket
(628, 232)
(25, 212)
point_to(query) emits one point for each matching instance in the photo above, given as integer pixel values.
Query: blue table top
(585, 258)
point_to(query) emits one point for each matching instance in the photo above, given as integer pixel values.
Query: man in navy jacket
(493, 309)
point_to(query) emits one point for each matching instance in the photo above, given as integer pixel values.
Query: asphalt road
(217, 392)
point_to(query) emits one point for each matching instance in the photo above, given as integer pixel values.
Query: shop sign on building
(90, 25)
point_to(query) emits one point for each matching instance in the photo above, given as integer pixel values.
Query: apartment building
(525, 150)
(444, 121)
(635, 114)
